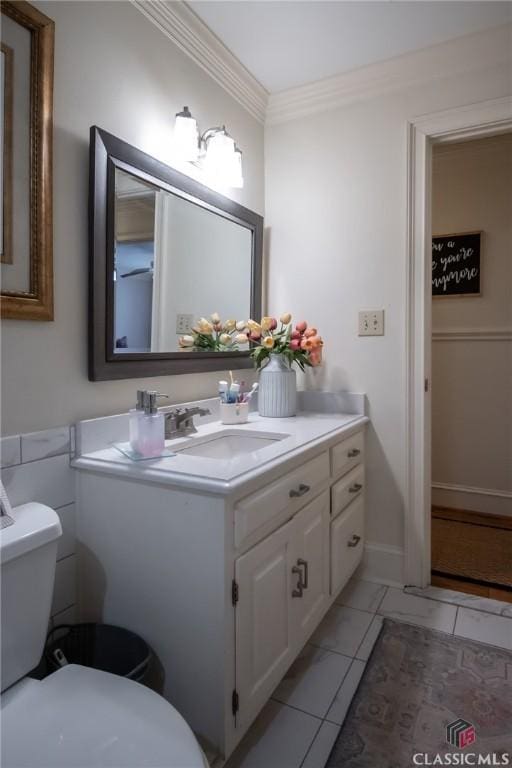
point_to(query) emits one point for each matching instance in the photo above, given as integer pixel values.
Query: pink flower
(295, 335)
(310, 332)
(273, 324)
(301, 327)
(295, 344)
(315, 356)
(255, 335)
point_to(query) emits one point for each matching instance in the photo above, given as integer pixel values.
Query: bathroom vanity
(224, 557)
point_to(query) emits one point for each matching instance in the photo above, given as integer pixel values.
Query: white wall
(115, 69)
(471, 377)
(336, 209)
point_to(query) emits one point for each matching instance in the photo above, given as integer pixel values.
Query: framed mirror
(26, 95)
(165, 251)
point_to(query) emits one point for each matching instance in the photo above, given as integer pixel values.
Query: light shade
(235, 175)
(186, 137)
(220, 149)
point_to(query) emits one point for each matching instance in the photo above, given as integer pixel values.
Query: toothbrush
(248, 395)
(224, 391)
(242, 394)
(234, 392)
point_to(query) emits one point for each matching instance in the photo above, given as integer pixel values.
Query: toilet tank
(28, 553)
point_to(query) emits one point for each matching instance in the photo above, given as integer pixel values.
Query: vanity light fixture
(214, 151)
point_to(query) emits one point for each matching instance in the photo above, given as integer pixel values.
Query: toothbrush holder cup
(234, 413)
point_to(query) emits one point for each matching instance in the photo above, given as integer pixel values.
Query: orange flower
(307, 344)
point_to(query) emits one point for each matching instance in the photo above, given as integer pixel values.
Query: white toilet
(77, 717)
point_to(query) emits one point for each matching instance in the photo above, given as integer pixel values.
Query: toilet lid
(83, 718)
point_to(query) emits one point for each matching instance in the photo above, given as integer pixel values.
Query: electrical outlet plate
(184, 323)
(371, 322)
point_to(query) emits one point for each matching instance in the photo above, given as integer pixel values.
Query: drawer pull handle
(304, 564)
(297, 592)
(300, 491)
(353, 452)
(354, 541)
(355, 488)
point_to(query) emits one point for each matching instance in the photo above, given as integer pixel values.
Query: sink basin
(229, 444)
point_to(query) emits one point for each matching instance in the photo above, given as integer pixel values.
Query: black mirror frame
(107, 153)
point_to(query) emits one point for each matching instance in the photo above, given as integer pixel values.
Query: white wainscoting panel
(35, 467)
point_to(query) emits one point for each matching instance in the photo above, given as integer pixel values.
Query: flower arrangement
(301, 345)
(214, 335)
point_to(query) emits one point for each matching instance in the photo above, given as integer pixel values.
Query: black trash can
(101, 646)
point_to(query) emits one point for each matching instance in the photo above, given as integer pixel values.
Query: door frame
(466, 122)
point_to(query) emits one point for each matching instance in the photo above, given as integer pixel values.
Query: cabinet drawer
(347, 489)
(347, 543)
(262, 511)
(347, 454)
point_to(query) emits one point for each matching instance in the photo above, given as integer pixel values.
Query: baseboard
(484, 500)
(382, 563)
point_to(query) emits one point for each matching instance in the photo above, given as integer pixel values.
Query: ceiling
(292, 42)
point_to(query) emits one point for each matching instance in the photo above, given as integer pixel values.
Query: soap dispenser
(135, 416)
(151, 425)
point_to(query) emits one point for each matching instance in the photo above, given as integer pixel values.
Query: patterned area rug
(416, 684)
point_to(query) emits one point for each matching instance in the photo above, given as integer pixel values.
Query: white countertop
(307, 430)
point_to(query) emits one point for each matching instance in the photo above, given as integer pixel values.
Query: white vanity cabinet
(225, 586)
(282, 589)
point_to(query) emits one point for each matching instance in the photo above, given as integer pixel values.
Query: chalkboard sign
(456, 265)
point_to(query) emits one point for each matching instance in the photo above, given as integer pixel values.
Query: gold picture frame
(37, 302)
(7, 86)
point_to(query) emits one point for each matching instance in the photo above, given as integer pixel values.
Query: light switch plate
(184, 323)
(371, 322)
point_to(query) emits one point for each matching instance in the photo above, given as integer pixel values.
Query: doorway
(456, 125)
(472, 366)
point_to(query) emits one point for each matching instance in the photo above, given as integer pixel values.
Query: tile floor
(299, 725)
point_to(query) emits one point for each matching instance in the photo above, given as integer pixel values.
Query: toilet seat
(84, 718)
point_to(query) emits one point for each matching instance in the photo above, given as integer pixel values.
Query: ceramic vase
(277, 393)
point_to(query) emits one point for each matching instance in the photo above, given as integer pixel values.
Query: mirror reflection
(174, 263)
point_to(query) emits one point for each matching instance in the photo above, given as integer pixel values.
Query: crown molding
(460, 56)
(186, 30)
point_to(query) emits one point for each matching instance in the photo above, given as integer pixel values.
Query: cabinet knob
(300, 491)
(353, 452)
(355, 488)
(354, 541)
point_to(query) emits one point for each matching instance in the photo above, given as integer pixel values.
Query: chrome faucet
(179, 423)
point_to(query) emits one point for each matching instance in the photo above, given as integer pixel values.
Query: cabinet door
(311, 557)
(347, 543)
(264, 643)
